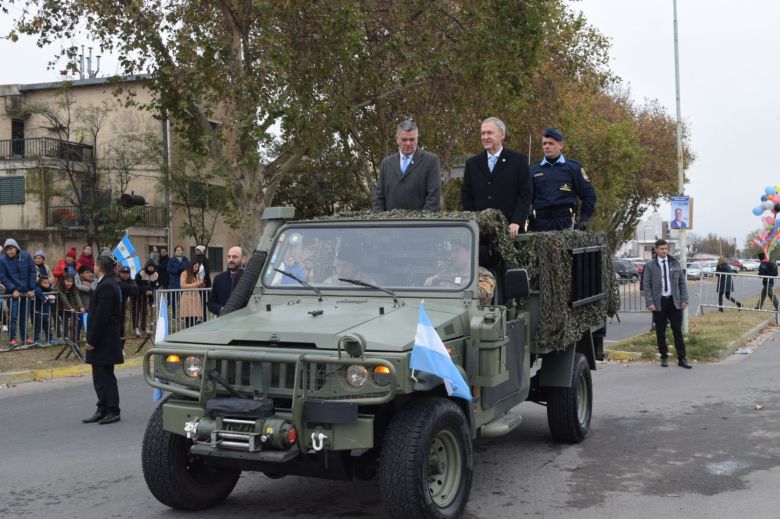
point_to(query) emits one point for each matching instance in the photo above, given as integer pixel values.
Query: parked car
(694, 271)
(640, 266)
(626, 270)
(750, 264)
(735, 263)
(708, 268)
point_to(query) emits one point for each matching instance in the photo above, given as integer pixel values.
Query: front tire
(569, 408)
(176, 478)
(426, 464)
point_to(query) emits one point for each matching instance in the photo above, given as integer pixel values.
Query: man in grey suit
(409, 179)
(666, 295)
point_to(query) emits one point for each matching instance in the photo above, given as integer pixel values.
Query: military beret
(553, 134)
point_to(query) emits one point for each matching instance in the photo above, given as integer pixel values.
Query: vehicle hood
(294, 325)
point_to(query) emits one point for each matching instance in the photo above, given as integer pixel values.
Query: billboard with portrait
(682, 213)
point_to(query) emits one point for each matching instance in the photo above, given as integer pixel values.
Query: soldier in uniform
(458, 273)
(558, 183)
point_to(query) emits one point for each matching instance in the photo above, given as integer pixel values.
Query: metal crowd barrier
(186, 307)
(32, 322)
(746, 289)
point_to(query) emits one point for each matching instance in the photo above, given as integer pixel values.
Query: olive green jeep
(307, 371)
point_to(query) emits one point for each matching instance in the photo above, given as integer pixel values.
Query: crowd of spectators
(53, 299)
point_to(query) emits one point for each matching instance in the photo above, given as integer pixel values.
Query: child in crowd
(69, 306)
(43, 309)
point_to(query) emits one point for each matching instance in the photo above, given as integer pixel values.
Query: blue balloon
(770, 190)
(763, 198)
(757, 210)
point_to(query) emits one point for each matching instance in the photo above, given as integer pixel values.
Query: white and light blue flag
(430, 356)
(124, 249)
(160, 332)
(134, 264)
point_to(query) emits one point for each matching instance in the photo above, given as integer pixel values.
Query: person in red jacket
(86, 258)
(67, 264)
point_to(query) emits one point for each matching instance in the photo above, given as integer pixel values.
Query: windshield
(436, 258)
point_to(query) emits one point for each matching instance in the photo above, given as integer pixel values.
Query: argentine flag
(133, 263)
(430, 356)
(160, 332)
(124, 249)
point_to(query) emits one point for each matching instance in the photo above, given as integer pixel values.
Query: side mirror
(516, 284)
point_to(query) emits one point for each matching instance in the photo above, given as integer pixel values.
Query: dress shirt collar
(497, 154)
(561, 160)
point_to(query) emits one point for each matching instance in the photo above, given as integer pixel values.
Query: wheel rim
(583, 399)
(445, 463)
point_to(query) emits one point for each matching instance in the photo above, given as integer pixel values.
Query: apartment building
(74, 157)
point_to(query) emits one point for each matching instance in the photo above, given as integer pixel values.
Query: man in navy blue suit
(225, 282)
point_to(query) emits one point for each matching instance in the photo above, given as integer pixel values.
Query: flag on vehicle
(430, 356)
(160, 332)
(124, 249)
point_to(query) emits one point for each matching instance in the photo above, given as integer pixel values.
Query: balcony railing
(45, 147)
(141, 216)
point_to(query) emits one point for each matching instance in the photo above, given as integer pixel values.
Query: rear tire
(569, 408)
(175, 477)
(426, 464)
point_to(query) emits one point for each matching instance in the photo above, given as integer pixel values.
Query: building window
(11, 190)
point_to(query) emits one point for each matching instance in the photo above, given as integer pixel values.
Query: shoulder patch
(584, 175)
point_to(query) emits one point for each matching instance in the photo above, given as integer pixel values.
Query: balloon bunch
(770, 223)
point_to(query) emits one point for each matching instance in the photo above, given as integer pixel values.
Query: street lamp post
(680, 174)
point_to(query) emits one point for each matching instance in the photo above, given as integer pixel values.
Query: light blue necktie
(404, 164)
(492, 162)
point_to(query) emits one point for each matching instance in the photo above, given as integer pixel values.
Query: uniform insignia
(584, 175)
(565, 187)
(540, 174)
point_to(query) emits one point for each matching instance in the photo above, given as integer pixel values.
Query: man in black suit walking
(104, 344)
(225, 282)
(498, 178)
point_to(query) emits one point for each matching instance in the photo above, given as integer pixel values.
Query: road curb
(623, 355)
(750, 334)
(28, 375)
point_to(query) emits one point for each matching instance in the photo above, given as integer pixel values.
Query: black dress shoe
(684, 364)
(109, 418)
(94, 418)
(664, 363)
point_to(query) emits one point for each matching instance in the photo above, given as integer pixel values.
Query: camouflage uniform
(452, 279)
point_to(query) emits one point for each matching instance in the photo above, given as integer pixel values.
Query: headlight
(193, 366)
(357, 375)
(173, 362)
(381, 375)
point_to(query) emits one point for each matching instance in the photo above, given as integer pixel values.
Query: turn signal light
(173, 362)
(381, 375)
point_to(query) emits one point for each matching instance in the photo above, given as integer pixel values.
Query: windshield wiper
(369, 285)
(302, 282)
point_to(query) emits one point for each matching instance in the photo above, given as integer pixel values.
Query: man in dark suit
(498, 178)
(225, 282)
(104, 344)
(409, 179)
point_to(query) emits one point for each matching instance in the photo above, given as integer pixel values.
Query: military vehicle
(308, 372)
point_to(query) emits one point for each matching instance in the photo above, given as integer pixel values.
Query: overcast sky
(728, 90)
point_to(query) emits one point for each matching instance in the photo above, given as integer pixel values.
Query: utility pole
(680, 168)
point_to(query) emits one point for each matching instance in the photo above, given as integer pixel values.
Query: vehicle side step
(501, 426)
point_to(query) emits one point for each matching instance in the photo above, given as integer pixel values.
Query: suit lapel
(483, 164)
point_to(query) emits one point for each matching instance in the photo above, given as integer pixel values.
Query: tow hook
(318, 440)
(191, 429)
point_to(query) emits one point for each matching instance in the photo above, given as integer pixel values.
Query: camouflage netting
(545, 256)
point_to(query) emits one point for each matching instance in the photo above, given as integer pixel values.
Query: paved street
(664, 443)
